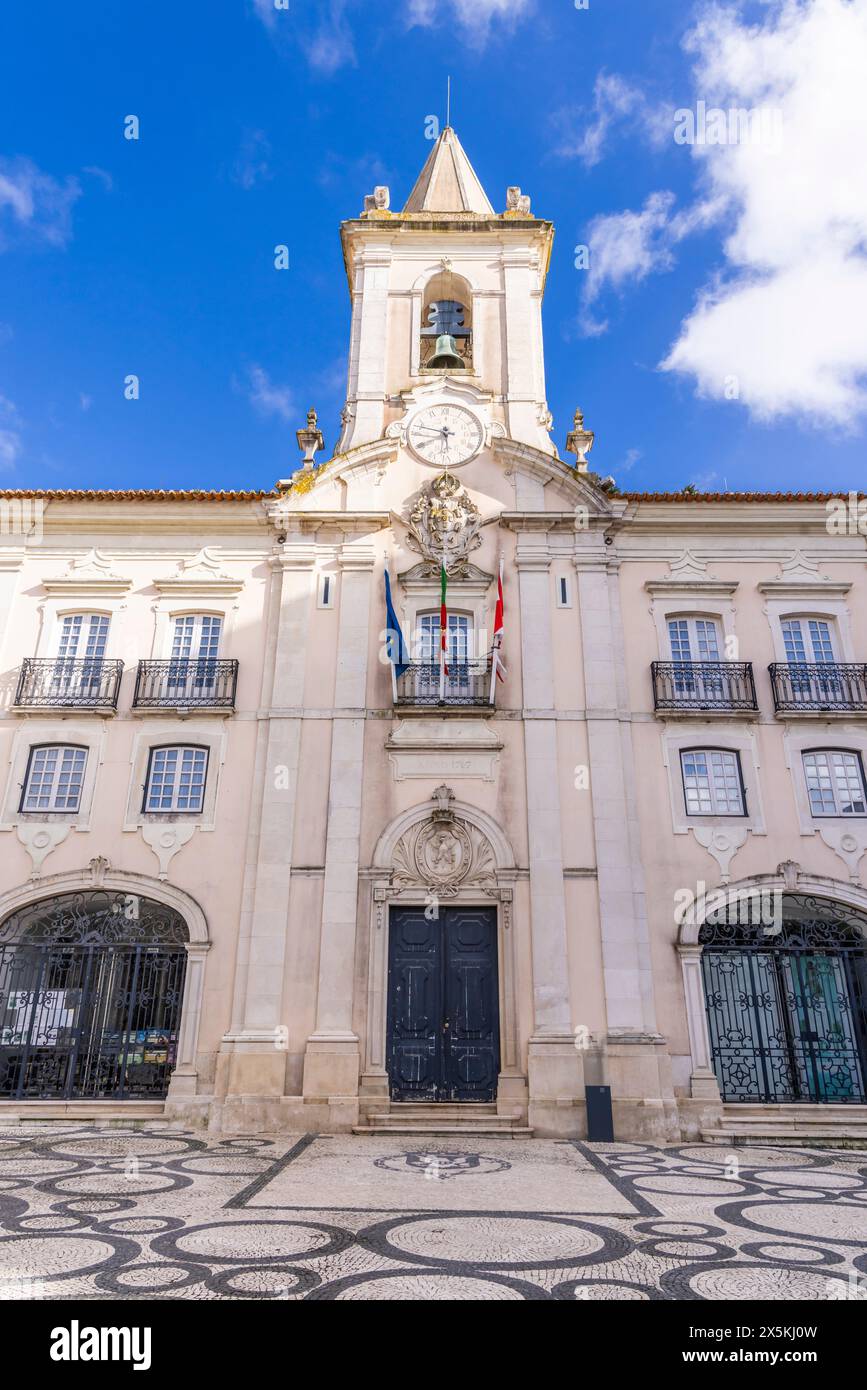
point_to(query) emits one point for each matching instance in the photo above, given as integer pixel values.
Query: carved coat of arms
(445, 521)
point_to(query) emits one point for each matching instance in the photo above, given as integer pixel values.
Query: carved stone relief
(444, 520)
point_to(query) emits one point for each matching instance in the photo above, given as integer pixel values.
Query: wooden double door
(443, 1004)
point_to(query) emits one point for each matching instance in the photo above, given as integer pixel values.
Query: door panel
(443, 1005)
(414, 1005)
(472, 1035)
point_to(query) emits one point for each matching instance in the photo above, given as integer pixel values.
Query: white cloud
(328, 46)
(33, 205)
(266, 11)
(252, 162)
(267, 397)
(625, 247)
(331, 46)
(477, 18)
(10, 435)
(614, 100)
(787, 318)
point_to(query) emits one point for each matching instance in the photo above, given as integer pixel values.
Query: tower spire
(448, 182)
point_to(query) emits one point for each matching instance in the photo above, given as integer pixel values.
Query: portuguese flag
(444, 619)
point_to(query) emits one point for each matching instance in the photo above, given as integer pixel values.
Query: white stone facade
(566, 794)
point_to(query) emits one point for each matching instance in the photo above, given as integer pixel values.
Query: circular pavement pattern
(159, 1212)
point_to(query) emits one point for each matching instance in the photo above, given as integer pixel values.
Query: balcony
(704, 687)
(466, 686)
(50, 683)
(183, 684)
(819, 688)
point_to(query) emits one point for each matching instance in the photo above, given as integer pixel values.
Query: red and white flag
(498, 668)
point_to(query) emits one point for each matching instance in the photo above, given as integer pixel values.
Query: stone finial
(379, 200)
(310, 440)
(517, 202)
(579, 441)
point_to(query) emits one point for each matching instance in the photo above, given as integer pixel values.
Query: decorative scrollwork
(808, 924)
(97, 917)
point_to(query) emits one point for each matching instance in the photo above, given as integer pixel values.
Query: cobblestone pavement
(158, 1212)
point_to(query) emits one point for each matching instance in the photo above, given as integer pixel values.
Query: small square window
(55, 776)
(176, 780)
(712, 782)
(835, 783)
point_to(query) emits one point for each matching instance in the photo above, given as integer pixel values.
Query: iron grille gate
(788, 1021)
(90, 1000)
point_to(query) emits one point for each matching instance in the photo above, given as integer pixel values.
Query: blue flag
(394, 643)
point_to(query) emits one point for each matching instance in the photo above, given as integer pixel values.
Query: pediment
(87, 575)
(198, 577)
(426, 572)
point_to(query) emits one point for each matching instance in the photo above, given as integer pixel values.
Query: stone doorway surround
(181, 1101)
(702, 1114)
(443, 851)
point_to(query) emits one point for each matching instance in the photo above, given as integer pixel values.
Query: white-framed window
(81, 643)
(196, 637)
(54, 778)
(694, 639)
(195, 650)
(835, 782)
(563, 592)
(458, 643)
(809, 640)
(175, 780)
(712, 782)
(83, 635)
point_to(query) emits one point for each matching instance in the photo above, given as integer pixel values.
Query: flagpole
(444, 636)
(494, 644)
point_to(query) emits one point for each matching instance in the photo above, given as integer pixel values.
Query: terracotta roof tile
(778, 497)
(134, 494)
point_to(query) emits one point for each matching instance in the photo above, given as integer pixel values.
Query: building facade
(268, 865)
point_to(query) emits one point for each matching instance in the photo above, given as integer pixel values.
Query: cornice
(659, 588)
(804, 588)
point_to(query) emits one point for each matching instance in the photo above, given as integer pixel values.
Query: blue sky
(718, 335)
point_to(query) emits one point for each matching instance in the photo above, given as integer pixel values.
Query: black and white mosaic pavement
(156, 1212)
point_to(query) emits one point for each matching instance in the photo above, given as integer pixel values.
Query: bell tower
(446, 306)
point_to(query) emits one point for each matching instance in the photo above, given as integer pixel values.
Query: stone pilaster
(638, 1063)
(368, 348)
(256, 1063)
(331, 1065)
(554, 1064)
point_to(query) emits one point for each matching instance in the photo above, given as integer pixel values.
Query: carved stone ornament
(518, 202)
(445, 521)
(379, 200)
(444, 853)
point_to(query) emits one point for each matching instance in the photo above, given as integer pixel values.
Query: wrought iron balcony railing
(467, 683)
(820, 687)
(183, 683)
(57, 683)
(706, 687)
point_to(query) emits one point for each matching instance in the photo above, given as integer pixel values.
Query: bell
(446, 353)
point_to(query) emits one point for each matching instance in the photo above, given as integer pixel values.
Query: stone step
(106, 1111)
(802, 1112)
(780, 1134)
(445, 1130)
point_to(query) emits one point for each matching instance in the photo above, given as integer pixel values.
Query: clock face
(445, 435)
